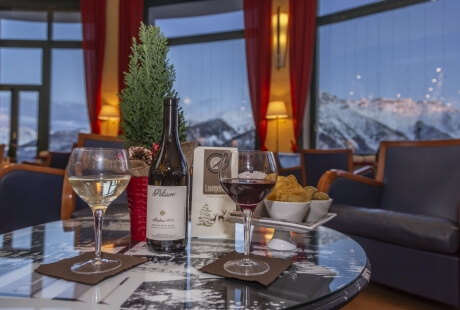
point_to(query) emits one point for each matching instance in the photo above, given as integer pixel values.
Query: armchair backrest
(316, 162)
(29, 195)
(96, 140)
(57, 159)
(289, 163)
(421, 177)
(2, 152)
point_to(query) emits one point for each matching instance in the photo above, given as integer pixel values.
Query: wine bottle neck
(170, 120)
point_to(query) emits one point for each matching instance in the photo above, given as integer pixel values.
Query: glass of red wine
(247, 177)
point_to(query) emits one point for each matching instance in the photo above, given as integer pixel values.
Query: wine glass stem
(98, 215)
(247, 218)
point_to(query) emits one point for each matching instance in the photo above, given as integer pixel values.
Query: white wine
(167, 195)
(99, 191)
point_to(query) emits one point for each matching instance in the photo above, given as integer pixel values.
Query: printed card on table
(210, 203)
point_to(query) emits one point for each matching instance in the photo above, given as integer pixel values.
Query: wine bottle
(168, 190)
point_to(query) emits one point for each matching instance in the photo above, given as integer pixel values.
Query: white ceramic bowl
(291, 211)
(318, 210)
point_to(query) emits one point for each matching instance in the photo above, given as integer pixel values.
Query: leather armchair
(29, 195)
(407, 219)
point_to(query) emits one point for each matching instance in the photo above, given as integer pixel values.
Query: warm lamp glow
(108, 112)
(276, 109)
(280, 37)
(110, 116)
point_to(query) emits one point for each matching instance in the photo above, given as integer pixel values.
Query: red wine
(247, 193)
(167, 200)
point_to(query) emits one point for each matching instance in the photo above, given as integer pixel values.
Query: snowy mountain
(217, 132)
(361, 124)
(364, 123)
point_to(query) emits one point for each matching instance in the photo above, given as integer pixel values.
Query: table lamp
(276, 110)
(111, 116)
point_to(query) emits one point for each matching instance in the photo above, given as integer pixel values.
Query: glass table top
(328, 270)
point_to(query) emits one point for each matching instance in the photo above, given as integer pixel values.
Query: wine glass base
(246, 267)
(94, 266)
(281, 241)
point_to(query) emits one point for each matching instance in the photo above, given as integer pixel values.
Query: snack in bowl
(287, 192)
(319, 207)
(288, 200)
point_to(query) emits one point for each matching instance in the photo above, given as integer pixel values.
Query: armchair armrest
(367, 171)
(351, 189)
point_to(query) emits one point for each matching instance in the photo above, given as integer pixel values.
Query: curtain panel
(257, 33)
(302, 30)
(93, 23)
(131, 15)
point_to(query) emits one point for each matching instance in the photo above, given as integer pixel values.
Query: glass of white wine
(98, 176)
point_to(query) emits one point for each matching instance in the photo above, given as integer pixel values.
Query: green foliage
(149, 81)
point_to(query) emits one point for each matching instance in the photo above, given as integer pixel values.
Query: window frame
(44, 89)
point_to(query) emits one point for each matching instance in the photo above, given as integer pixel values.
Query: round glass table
(329, 269)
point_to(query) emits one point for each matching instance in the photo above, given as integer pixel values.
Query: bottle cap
(170, 102)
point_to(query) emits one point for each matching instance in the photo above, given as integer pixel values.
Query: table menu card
(210, 204)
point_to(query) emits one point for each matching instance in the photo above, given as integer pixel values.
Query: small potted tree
(148, 82)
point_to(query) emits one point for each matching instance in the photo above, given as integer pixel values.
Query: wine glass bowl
(98, 176)
(247, 177)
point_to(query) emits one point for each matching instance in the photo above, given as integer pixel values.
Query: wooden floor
(376, 297)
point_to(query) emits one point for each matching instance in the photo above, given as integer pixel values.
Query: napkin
(61, 269)
(277, 267)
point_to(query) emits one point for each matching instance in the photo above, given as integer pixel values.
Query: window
(391, 75)
(42, 93)
(207, 50)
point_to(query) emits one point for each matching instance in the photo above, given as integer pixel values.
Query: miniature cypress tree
(148, 82)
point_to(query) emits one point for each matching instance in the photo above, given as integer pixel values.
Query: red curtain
(257, 33)
(302, 30)
(93, 21)
(131, 15)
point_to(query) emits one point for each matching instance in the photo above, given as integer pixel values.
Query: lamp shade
(108, 112)
(276, 109)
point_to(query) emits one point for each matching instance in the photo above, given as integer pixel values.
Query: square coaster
(277, 267)
(61, 269)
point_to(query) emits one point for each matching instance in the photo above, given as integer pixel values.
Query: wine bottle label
(166, 207)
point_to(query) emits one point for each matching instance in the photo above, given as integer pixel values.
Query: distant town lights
(438, 69)
(358, 77)
(427, 96)
(433, 80)
(187, 101)
(430, 88)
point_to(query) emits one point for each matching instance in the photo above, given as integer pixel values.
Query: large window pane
(69, 112)
(17, 25)
(28, 125)
(187, 26)
(20, 66)
(390, 76)
(333, 6)
(67, 26)
(212, 84)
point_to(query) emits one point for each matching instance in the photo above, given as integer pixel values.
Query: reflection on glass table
(328, 270)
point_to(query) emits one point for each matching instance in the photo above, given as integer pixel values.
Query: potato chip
(288, 189)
